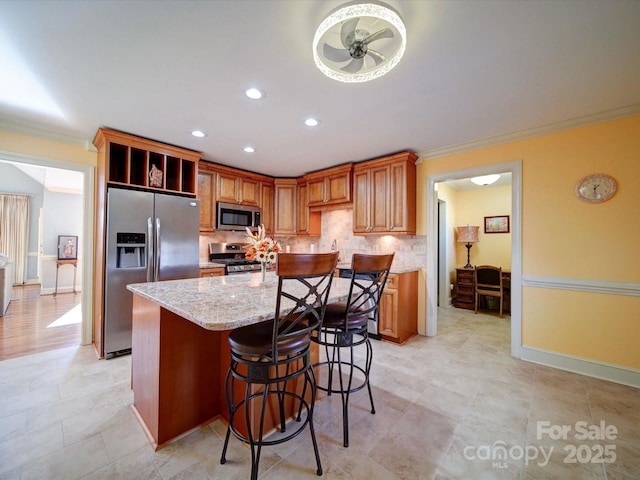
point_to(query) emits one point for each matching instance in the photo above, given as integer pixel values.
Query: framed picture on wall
(67, 247)
(496, 224)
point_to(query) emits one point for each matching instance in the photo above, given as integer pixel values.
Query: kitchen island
(180, 353)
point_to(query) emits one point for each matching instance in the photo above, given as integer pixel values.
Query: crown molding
(30, 131)
(531, 132)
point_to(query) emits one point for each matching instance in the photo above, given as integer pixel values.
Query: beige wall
(46, 149)
(564, 239)
(471, 208)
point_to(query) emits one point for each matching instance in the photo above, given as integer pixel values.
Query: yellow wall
(39, 147)
(471, 208)
(565, 238)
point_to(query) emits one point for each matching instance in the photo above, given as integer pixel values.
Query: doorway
(433, 254)
(87, 228)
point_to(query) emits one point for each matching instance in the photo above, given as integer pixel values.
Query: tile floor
(447, 407)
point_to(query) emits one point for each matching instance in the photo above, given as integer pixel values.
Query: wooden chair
(488, 281)
(345, 326)
(269, 357)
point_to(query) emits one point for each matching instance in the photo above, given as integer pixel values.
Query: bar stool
(345, 325)
(269, 357)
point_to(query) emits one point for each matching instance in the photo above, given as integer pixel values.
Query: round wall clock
(596, 188)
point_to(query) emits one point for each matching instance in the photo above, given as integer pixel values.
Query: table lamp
(468, 235)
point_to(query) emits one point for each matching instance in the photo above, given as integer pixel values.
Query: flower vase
(263, 270)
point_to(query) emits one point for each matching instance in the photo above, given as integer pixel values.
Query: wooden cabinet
(267, 202)
(398, 319)
(465, 288)
(329, 187)
(384, 198)
(292, 215)
(286, 205)
(206, 194)
(237, 188)
(212, 272)
(219, 183)
(126, 160)
(309, 223)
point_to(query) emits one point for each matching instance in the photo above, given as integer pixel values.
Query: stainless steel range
(232, 256)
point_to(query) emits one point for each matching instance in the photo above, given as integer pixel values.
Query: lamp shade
(468, 234)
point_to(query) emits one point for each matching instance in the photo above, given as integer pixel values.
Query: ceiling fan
(356, 46)
(358, 43)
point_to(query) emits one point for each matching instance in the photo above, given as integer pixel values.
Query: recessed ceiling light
(198, 133)
(249, 149)
(485, 179)
(254, 93)
(311, 122)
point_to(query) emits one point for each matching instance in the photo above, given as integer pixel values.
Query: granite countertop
(395, 267)
(211, 265)
(225, 302)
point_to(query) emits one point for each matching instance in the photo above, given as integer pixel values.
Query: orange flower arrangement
(262, 248)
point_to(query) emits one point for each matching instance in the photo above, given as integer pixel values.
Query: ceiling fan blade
(384, 33)
(377, 56)
(348, 32)
(335, 54)
(353, 66)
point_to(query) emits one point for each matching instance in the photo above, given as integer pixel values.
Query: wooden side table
(75, 271)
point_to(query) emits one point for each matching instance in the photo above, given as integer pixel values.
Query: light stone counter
(396, 267)
(211, 265)
(226, 302)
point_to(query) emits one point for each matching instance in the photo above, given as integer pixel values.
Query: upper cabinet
(286, 204)
(240, 188)
(384, 198)
(129, 160)
(207, 194)
(309, 223)
(219, 183)
(329, 187)
(267, 203)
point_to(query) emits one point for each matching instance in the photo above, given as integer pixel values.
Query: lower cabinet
(212, 272)
(398, 320)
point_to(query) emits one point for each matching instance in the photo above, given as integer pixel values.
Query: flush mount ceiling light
(198, 133)
(249, 149)
(359, 43)
(485, 179)
(311, 122)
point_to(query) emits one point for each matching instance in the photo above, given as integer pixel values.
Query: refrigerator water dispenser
(130, 250)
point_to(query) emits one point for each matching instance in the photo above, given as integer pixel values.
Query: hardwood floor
(37, 323)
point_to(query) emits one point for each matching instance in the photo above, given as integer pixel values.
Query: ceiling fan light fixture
(339, 36)
(486, 179)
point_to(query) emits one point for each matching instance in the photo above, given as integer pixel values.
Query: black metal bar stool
(345, 326)
(269, 357)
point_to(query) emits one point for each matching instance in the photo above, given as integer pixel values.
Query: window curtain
(14, 232)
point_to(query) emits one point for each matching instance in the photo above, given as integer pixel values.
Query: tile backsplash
(337, 226)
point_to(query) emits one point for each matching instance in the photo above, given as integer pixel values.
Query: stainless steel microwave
(238, 217)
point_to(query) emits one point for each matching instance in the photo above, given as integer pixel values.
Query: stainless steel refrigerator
(150, 237)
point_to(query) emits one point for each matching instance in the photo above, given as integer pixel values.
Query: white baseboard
(604, 371)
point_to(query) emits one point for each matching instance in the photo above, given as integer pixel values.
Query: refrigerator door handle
(156, 275)
(149, 250)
